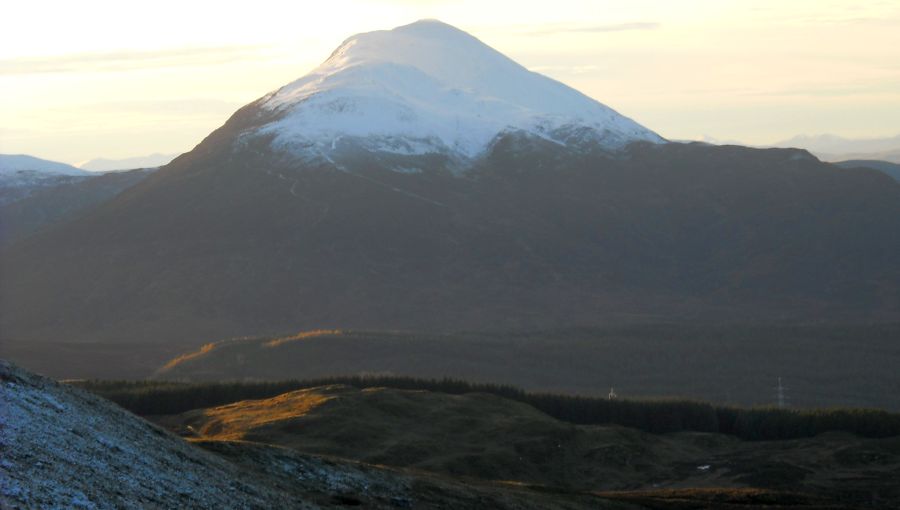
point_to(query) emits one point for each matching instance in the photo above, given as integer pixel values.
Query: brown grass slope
(475, 435)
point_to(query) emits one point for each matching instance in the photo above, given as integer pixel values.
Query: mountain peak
(424, 29)
(428, 87)
(431, 27)
(434, 48)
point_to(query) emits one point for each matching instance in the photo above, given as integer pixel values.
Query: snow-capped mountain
(429, 88)
(23, 168)
(337, 201)
(20, 175)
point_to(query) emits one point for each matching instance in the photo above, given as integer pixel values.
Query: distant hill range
(36, 193)
(892, 169)
(53, 201)
(20, 175)
(105, 165)
(833, 148)
(420, 180)
(13, 165)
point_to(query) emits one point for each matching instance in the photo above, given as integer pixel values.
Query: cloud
(869, 89)
(574, 69)
(126, 60)
(11, 132)
(582, 29)
(169, 107)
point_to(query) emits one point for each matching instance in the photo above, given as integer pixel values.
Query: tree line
(649, 415)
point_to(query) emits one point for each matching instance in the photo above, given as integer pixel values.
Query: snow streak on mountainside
(426, 88)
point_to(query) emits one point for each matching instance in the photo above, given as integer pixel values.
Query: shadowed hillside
(49, 204)
(491, 437)
(891, 169)
(216, 245)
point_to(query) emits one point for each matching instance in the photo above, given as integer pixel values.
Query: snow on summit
(429, 87)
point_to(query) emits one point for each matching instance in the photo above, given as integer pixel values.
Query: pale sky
(115, 79)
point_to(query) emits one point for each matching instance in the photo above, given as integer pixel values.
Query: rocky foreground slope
(61, 447)
(65, 448)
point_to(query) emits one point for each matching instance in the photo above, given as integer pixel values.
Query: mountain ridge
(834, 144)
(832, 148)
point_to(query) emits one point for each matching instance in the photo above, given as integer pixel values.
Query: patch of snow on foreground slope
(61, 447)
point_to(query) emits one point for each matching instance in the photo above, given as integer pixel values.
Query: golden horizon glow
(97, 78)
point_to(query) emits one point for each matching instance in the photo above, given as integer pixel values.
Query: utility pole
(780, 394)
